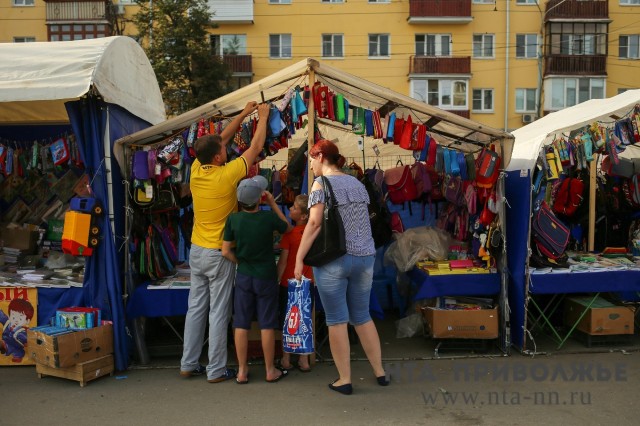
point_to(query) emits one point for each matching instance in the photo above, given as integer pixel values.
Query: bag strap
(326, 185)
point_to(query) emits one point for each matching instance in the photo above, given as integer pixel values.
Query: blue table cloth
(429, 286)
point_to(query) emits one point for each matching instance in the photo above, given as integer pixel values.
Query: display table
(157, 303)
(429, 286)
(171, 302)
(558, 285)
(164, 303)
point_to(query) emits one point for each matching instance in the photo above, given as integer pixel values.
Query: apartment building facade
(500, 62)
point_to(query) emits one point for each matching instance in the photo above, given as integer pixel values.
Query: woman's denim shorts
(344, 286)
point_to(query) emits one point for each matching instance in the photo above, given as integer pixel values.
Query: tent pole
(311, 125)
(592, 203)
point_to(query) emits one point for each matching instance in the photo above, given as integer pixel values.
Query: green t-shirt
(253, 234)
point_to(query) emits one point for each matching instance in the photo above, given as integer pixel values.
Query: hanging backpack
(400, 184)
(568, 197)
(488, 168)
(453, 190)
(379, 215)
(549, 233)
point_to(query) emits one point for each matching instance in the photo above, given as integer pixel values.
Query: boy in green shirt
(256, 286)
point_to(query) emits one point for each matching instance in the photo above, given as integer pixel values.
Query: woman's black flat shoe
(343, 389)
(382, 381)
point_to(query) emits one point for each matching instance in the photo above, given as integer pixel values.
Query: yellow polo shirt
(214, 199)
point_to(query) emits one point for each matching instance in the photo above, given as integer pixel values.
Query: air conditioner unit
(119, 9)
(529, 118)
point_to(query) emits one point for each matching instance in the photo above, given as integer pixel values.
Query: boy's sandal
(304, 370)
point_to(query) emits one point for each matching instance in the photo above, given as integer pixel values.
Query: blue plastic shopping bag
(297, 332)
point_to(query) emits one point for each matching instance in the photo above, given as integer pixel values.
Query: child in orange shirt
(299, 213)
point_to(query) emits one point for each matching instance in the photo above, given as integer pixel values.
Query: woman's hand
(297, 271)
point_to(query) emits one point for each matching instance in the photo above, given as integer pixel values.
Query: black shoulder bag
(330, 243)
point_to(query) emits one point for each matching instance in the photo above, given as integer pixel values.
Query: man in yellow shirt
(213, 186)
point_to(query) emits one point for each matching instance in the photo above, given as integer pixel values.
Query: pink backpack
(396, 223)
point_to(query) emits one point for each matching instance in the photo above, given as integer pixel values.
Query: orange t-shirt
(291, 242)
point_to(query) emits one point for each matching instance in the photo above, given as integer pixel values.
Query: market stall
(359, 115)
(591, 148)
(62, 105)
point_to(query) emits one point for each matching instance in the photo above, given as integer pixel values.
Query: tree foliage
(174, 36)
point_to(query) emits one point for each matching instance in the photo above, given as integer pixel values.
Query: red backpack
(569, 197)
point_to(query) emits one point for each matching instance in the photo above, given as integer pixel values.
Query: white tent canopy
(36, 79)
(530, 138)
(446, 127)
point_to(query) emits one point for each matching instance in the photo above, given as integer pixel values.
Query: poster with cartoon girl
(17, 313)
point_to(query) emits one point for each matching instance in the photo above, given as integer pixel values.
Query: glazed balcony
(439, 11)
(576, 65)
(439, 65)
(75, 11)
(576, 10)
(239, 64)
(231, 11)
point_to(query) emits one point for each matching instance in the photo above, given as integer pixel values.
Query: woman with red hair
(344, 284)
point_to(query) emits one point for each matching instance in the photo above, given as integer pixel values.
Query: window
(526, 45)
(629, 46)
(229, 44)
(332, 46)
(623, 2)
(332, 1)
(484, 1)
(379, 1)
(482, 100)
(23, 2)
(526, 1)
(24, 39)
(77, 32)
(379, 45)
(433, 44)
(483, 45)
(526, 100)
(577, 38)
(279, 1)
(279, 46)
(620, 91)
(566, 92)
(448, 94)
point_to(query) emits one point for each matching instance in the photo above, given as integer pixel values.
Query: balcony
(461, 112)
(575, 65)
(439, 11)
(75, 11)
(240, 65)
(439, 65)
(576, 10)
(231, 11)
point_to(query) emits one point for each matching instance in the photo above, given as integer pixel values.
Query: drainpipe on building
(506, 73)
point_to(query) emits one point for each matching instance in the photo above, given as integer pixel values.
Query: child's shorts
(255, 297)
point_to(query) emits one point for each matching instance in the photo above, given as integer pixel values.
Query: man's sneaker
(229, 373)
(198, 371)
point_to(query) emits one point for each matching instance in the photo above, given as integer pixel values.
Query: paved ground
(562, 389)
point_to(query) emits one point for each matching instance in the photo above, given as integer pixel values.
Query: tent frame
(449, 129)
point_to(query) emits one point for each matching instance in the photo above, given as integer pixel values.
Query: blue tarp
(103, 273)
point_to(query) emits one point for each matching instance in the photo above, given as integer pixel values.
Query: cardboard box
(19, 238)
(603, 318)
(67, 350)
(462, 324)
(254, 349)
(82, 373)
